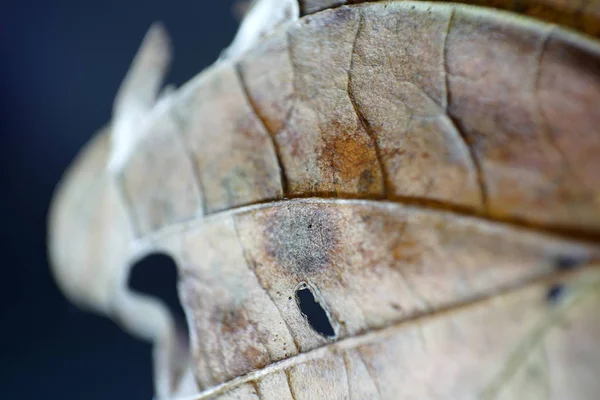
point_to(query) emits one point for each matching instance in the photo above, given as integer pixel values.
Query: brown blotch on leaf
(233, 321)
(352, 159)
(255, 357)
(407, 251)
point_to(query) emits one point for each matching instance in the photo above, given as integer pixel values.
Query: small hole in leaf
(314, 312)
(555, 293)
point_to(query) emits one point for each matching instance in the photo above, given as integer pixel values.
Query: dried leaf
(364, 201)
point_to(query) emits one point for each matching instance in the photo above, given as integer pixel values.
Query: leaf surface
(428, 172)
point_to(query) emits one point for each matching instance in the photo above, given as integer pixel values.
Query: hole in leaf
(156, 275)
(314, 312)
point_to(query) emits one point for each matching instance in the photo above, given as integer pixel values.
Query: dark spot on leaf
(314, 312)
(365, 181)
(302, 238)
(555, 293)
(568, 262)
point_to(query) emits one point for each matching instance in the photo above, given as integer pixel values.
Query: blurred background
(61, 63)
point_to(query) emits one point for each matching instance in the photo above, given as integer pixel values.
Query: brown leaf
(370, 201)
(583, 15)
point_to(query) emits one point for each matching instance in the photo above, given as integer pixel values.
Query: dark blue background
(60, 65)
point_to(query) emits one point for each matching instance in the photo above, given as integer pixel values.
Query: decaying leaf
(365, 200)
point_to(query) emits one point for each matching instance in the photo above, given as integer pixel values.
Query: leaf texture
(428, 171)
(582, 15)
